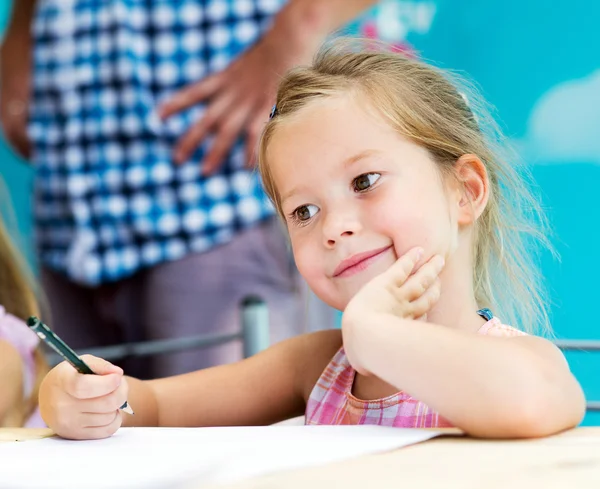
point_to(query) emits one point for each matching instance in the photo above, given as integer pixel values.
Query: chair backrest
(254, 333)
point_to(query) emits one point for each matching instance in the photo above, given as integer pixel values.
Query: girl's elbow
(551, 400)
(534, 416)
(544, 415)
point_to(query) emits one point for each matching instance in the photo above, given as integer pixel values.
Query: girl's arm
(266, 388)
(263, 389)
(11, 385)
(487, 386)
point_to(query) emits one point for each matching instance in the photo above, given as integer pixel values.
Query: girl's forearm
(492, 387)
(142, 400)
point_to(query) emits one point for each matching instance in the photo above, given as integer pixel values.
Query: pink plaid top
(331, 401)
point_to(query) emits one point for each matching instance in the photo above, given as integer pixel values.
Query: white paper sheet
(161, 458)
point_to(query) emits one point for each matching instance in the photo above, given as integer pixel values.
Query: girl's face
(356, 196)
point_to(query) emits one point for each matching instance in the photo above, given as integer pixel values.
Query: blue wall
(539, 66)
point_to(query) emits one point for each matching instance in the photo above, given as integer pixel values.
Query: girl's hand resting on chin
(403, 291)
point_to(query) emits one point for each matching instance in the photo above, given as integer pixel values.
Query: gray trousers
(198, 294)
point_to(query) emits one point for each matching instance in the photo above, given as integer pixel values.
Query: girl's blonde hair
(18, 298)
(424, 105)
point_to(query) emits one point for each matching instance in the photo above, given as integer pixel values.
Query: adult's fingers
(215, 112)
(225, 137)
(191, 95)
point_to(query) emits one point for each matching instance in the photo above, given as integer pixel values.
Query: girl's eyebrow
(360, 156)
(289, 194)
(346, 163)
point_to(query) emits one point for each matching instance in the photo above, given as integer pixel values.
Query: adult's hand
(239, 100)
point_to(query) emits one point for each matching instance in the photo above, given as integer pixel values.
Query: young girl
(400, 215)
(22, 365)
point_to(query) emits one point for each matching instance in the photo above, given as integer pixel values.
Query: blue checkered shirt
(108, 199)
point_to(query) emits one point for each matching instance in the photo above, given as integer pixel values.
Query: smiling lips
(359, 262)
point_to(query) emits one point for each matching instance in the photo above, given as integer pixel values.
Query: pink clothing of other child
(16, 332)
(331, 401)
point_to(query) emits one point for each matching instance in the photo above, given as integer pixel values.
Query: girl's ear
(473, 179)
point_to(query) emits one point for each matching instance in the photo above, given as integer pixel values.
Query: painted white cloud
(564, 125)
(395, 20)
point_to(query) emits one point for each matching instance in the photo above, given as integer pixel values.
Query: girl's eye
(305, 212)
(365, 181)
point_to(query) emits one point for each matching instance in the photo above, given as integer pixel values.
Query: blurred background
(539, 66)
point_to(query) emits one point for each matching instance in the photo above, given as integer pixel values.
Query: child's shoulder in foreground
(15, 331)
(17, 344)
(17, 338)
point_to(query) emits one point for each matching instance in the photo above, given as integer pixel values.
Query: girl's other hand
(82, 407)
(403, 290)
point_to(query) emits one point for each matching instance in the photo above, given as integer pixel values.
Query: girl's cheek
(307, 263)
(413, 236)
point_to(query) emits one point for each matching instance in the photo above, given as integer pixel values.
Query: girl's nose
(339, 226)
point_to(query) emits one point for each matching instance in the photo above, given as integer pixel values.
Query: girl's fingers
(417, 284)
(102, 431)
(404, 266)
(82, 386)
(421, 306)
(100, 366)
(105, 404)
(97, 420)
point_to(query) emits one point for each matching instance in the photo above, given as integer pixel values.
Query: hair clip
(486, 314)
(273, 112)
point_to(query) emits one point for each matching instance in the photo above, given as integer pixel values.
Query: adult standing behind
(141, 124)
